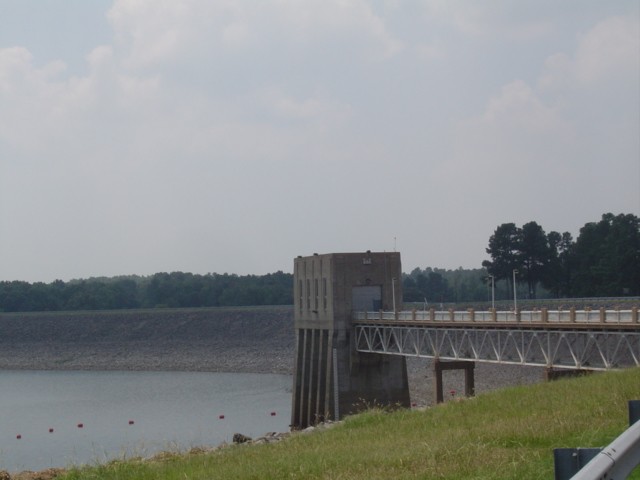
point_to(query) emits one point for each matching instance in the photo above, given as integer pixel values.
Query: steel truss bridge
(571, 339)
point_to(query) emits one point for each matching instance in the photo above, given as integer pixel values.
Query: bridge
(351, 347)
(573, 339)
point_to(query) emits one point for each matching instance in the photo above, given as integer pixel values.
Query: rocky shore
(258, 340)
(249, 339)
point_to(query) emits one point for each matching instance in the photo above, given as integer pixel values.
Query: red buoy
(273, 414)
(221, 417)
(51, 430)
(18, 437)
(131, 422)
(80, 425)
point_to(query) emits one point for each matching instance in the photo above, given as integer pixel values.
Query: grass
(508, 434)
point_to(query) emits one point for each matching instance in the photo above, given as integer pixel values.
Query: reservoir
(64, 418)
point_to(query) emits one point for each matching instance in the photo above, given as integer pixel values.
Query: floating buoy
(80, 425)
(18, 437)
(51, 430)
(131, 422)
(273, 414)
(221, 417)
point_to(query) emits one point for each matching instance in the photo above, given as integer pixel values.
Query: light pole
(515, 299)
(393, 293)
(493, 292)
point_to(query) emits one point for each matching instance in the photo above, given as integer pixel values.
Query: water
(170, 411)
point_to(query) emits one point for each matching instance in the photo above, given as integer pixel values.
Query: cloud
(429, 51)
(607, 52)
(154, 33)
(23, 89)
(319, 106)
(518, 108)
(49, 115)
(517, 135)
(565, 130)
(610, 49)
(515, 20)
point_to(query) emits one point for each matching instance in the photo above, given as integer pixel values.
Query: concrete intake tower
(331, 379)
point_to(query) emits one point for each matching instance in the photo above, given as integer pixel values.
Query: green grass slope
(507, 434)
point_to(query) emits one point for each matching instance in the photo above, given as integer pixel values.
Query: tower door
(366, 299)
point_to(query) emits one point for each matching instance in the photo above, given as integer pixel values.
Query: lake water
(169, 411)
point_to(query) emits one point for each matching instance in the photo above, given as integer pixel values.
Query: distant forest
(603, 261)
(162, 290)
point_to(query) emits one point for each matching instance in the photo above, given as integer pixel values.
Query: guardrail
(492, 316)
(530, 304)
(617, 460)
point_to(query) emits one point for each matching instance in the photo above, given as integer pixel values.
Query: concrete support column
(469, 378)
(306, 373)
(313, 360)
(321, 408)
(312, 401)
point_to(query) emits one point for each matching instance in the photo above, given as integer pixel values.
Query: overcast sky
(141, 136)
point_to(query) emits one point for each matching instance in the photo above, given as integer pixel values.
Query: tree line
(161, 290)
(604, 261)
(433, 286)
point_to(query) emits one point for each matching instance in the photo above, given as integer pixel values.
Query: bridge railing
(543, 316)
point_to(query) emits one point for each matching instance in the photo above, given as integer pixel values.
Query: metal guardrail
(527, 303)
(615, 461)
(543, 316)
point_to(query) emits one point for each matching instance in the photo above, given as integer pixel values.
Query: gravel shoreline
(237, 340)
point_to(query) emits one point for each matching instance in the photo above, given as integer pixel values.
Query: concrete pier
(469, 377)
(331, 378)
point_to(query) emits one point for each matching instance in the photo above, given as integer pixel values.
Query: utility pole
(515, 299)
(493, 291)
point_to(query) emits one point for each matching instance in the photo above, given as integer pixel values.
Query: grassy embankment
(508, 434)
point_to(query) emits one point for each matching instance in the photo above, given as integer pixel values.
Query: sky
(145, 136)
